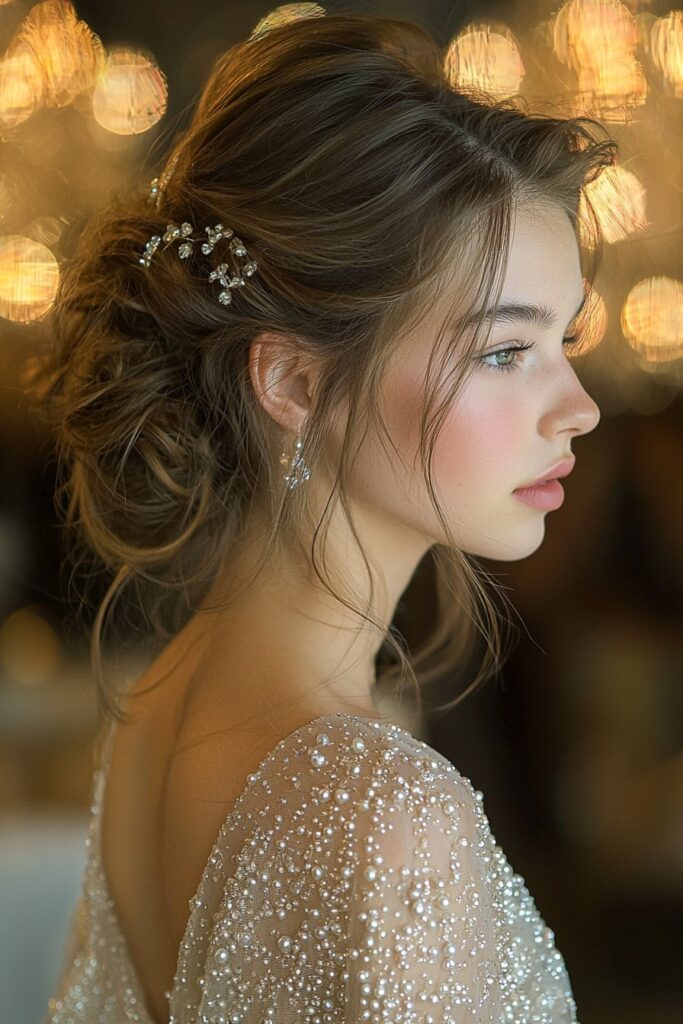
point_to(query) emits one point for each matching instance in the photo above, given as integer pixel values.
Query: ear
(283, 377)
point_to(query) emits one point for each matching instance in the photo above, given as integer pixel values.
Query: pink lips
(547, 496)
(560, 469)
(546, 492)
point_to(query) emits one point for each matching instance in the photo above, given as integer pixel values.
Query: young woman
(346, 252)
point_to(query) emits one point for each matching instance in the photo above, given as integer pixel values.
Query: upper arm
(421, 930)
(361, 895)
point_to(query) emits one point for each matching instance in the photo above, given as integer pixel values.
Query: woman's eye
(505, 367)
(511, 351)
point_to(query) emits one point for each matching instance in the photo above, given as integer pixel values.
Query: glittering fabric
(355, 880)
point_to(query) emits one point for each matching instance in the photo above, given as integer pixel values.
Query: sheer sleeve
(358, 882)
(421, 930)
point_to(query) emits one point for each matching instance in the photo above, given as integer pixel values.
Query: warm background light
(612, 92)
(618, 198)
(591, 324)
(22, 86)
(52, 59)
(131, 93)
(591, 33)
(29, 276)
(487, 58)
(597, 40)
(65, 49)
(30, 648)
(666, 48)
(652, 319)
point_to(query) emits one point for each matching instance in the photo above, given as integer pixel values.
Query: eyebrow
(525, 312)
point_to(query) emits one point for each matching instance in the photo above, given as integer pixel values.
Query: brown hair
(357, 177)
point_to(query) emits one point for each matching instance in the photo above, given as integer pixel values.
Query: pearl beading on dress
(355, 881)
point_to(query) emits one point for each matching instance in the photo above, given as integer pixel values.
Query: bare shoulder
(217, 748)
(212, 758)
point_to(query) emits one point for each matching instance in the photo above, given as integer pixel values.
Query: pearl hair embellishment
(223, 273)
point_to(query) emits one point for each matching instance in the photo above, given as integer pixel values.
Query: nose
(573, 410)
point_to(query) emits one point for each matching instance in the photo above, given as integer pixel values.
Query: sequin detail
(355, 881)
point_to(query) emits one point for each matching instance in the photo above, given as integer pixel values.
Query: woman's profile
(346, 258)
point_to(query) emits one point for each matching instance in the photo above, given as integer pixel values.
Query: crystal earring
(298, 470)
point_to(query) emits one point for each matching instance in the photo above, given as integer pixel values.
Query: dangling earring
(298, 470)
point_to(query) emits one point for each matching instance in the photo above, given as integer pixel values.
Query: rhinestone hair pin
(222, 273)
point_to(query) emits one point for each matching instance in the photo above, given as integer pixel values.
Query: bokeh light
(597, 40)
(618, 198)
(22, 86)
(31, 650)
(652, 319)
(131, 93)
(612, 92)
(67, 52)
(591, 323)
(29, 277)
(592, 33)
(666, 48)
(487, 58)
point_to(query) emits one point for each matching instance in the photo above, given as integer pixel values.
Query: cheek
(478, 450)
(480, 445)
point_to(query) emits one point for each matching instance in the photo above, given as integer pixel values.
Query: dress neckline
(126, 964)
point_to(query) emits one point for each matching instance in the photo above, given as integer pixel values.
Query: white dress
(354, 880)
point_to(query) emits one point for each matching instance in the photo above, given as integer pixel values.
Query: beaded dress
(355, 879)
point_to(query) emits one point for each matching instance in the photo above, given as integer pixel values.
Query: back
(174, 774)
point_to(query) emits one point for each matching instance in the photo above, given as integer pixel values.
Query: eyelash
(509, 367)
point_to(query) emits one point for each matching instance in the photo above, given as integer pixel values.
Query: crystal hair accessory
(297, 470)
(223, 273)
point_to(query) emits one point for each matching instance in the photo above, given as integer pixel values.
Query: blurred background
(577, 748)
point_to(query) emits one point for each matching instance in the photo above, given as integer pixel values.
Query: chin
(512, 548)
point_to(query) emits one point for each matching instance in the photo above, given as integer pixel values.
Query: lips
(560, 469)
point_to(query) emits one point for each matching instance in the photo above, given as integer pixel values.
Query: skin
(505, 429)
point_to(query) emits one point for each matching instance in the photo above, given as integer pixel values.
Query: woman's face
(516, 417)
(504, 429)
